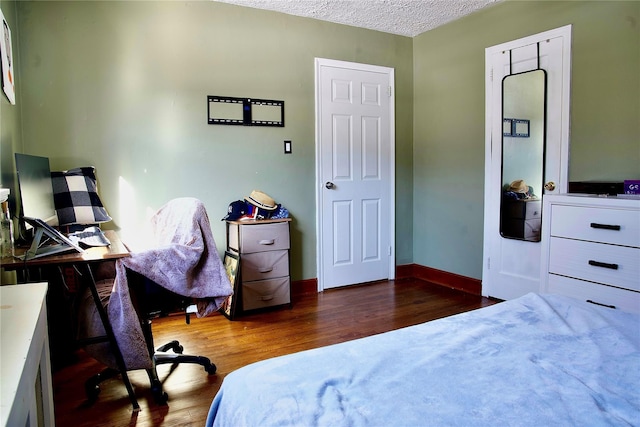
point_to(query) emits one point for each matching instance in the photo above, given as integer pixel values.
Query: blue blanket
(539, 360)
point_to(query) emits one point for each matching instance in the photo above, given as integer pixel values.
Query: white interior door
(512, 267)
(355, 169)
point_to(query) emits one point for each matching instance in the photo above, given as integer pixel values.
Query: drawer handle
(265, 269)
(603, 305)
(605, 226)
(267, 242)
(265, 297)
(603, 264)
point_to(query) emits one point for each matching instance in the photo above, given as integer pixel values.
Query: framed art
(506, 127)
(520, 128)
(232, 267)
(8, 83)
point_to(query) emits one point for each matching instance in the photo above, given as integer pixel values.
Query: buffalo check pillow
(75, 195)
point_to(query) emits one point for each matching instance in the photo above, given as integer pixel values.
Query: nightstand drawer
(615, 226)
(523, 209)
(608, 264)
(265, 293)
(254, 237)
(599, 294)
(265, 265)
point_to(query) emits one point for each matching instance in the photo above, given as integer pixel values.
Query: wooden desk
(116, 250)
(83, 262)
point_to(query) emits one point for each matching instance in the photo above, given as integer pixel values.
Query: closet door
(512, 265)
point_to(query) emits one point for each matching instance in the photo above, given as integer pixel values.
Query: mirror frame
(522, 128)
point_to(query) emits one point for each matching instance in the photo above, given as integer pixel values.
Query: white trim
(322, 62)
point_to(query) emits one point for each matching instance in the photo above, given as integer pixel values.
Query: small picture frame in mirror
(520, 128)
(506, 127)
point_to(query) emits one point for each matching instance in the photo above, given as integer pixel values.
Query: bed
(537, 360)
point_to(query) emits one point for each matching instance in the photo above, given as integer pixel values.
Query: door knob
(550, 186)
(330, 185)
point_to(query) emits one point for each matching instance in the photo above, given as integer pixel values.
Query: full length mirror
(523, 144)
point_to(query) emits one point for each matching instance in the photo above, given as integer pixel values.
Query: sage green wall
(449, 114)
(10, 130)
(123, 86)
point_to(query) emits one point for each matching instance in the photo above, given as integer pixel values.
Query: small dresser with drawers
(591, 249)
(521, 218)
(262, 247)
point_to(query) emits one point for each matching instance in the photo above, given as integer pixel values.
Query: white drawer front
(600, 294)
(265, 293)
(612, 265)
(617, 226)
(264, 237)
(265, 265)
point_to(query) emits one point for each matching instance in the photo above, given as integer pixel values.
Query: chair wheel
(211, 369)
(92, 390)
(179, 349)
(159, 396)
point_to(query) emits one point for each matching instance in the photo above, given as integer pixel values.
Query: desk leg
(112, 339)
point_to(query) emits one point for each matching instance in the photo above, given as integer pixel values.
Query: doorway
(512, 262)
(355, 171)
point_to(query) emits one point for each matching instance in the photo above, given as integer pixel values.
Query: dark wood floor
(315, 320)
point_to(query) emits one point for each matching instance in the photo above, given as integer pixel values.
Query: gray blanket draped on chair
(181, 257)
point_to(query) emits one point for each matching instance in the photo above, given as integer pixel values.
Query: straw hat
(261, 200)
(519, 186)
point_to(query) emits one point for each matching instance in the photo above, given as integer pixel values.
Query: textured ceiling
(403, 17)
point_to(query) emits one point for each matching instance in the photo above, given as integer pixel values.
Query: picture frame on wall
(8, 77)
(231, 264)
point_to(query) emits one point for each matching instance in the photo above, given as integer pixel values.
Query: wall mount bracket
(228, 110)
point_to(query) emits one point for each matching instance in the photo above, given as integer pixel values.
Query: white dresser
(263, 250)
(591, 249)
(26, 391)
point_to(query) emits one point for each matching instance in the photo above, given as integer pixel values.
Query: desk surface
(115, 250)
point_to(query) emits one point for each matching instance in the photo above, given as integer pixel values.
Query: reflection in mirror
(523, 142)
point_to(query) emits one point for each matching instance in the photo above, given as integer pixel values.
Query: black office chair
(150, 301)
(184, 259)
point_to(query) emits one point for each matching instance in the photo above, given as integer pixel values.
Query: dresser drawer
(248, 238)
(601, 294)
(523, 228)
(615, 226)
(523, 209)
(612, 265)
(265, 265)
(265, 293)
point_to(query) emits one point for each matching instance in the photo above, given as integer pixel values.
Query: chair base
(161, 356)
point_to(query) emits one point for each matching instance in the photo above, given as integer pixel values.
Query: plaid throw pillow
(75, 195)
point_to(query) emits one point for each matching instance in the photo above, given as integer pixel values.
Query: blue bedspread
(539, 360)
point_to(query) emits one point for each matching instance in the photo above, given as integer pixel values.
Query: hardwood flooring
(314, 320)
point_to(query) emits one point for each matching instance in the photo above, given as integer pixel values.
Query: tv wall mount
(228, 110)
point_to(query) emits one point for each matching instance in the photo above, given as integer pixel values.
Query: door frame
(491, 211)
(319, 184)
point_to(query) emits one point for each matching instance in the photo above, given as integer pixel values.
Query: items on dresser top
(257, 206)
(592, 249)
(262, 247)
